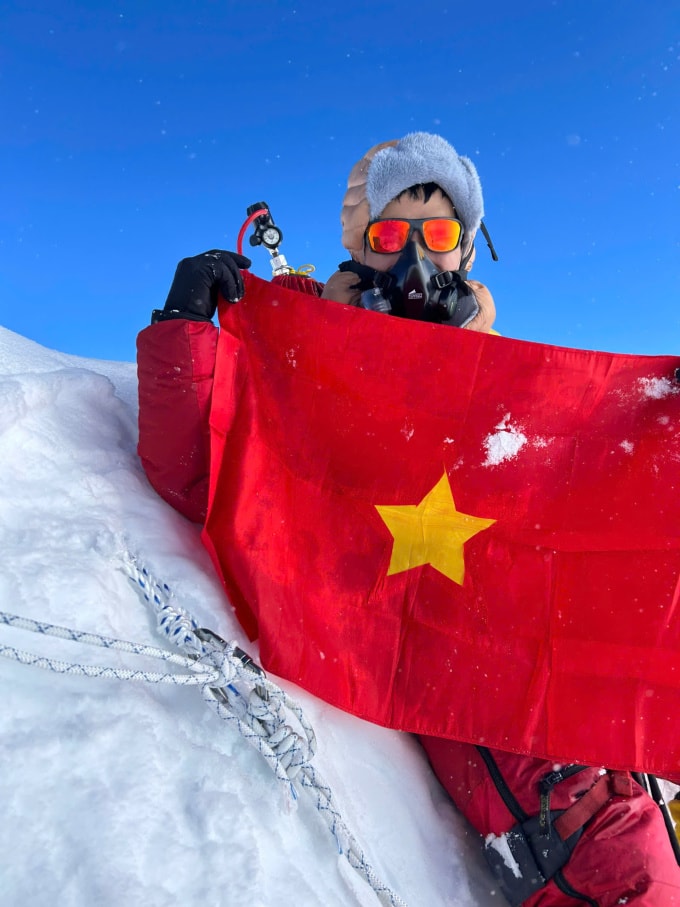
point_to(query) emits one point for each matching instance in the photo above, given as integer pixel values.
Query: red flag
(453, 533)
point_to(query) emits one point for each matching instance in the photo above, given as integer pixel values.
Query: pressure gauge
(266, 232)
(271, 236)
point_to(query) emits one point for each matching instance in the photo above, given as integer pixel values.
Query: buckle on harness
(525, 858)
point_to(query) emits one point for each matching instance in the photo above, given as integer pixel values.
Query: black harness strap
(533, 852)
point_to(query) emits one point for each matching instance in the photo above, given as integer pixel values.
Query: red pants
(623, 856)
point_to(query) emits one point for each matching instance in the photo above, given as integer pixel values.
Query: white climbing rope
(260, 716)
(200, 674)
(232, 685)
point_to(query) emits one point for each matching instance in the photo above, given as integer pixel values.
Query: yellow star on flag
(432, 532)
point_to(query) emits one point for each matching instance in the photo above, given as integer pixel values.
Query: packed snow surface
(120, 793)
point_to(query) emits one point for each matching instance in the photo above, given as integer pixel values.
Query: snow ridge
(107, 785)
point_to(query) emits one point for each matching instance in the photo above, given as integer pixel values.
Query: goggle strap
(485, 234)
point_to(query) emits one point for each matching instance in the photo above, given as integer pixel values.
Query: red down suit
(622, 853)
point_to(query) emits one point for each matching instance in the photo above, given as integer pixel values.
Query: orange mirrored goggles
(389, 235)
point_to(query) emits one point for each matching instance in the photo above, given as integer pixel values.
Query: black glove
(365, 274)
(197, 283)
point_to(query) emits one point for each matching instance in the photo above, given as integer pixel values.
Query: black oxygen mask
(415, 288)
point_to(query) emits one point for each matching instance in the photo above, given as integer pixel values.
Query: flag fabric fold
(452, 533)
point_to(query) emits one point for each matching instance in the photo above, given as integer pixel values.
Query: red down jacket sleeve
(175, 365)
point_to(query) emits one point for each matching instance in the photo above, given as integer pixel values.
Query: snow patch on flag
(504, 444)
(657, 388)
(408, 430)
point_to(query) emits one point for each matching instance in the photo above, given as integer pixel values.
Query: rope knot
(238, 691)
(289, 750)
(222, 662)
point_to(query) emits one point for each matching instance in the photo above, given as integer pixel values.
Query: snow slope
(119, 793)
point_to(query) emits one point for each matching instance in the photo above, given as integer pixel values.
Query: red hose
(248, 222)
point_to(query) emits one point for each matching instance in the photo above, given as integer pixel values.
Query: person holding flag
(428, 592)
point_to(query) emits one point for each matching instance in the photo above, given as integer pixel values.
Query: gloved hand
(197, 283)
(348, 283)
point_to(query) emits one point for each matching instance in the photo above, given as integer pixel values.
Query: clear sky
(137, 133)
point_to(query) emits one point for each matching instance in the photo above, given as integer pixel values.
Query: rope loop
(232, 685)
(261, 711)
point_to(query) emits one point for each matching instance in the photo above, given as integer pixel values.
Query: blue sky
(136, 133)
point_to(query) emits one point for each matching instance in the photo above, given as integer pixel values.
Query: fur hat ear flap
(355, 213)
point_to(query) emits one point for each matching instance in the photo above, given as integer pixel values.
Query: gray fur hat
(387, 169)
(424, 158)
